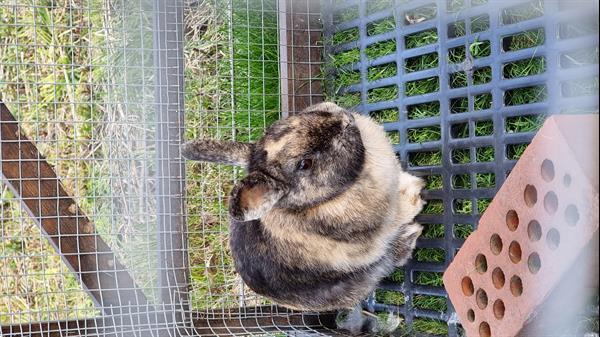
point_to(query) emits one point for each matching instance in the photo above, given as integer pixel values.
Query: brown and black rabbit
(325, 211)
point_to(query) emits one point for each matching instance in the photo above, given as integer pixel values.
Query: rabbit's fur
(321, 236)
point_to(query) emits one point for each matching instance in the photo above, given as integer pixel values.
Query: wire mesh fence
(105, 230)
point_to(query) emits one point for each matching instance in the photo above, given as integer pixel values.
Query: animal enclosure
(105, 230)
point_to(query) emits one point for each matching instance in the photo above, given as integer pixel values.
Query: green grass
(423, 110)
(254, 89)
(386, 115)
(462, 231)
(433, 231)
(428, 278)
(429, 255)
(428, 302)
(380, 49)
(461, 181)
(485, 180)
(423, 134)
(47, 76)
(397, 276)
(382, 94)
(434, 182)
(433, 207)
(345, 36)
(382, 71)
(389, 297)
(381, 26)
(425, 158)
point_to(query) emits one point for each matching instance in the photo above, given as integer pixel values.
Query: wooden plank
(300, 54)
(73, 235)
(224, 322)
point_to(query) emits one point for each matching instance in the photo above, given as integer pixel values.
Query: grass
(69, 86)
(253, 90)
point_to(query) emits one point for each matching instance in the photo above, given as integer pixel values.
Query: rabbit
(325, 212)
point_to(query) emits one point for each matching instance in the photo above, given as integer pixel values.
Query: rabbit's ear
(217, 151)
(253, 196)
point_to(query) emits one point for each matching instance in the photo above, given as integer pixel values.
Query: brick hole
(571, 215)
(471, 315)
(530, 195)
(512, 220)
(515, 252)
(567, 180)
(467, 286)
(499, 309)
(547, 170)
(498, 278)
(551, 202)
(553, 238)
(481, 299)
(484, 330)
(481, 263)
(516, 286)
(496, 244)
(534, 230)
(534, 263)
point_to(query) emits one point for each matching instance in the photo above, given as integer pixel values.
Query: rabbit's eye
(305, 164)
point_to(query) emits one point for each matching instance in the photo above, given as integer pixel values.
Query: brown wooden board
(72, 234)
(300, 54)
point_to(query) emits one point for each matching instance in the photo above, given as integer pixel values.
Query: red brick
(568, 145)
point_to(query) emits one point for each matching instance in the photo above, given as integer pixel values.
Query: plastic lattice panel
(461, 88)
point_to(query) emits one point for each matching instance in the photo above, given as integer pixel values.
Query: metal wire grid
(80, 78)
(560, 72)
(97, 87)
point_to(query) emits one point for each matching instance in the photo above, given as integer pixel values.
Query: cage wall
(100, 88)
